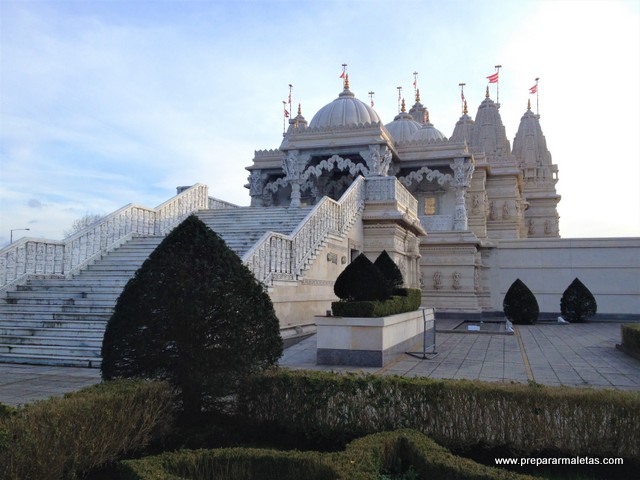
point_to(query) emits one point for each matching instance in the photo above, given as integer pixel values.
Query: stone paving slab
(575, 355)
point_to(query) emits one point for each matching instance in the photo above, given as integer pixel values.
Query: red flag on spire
(533, 89)
(286, 113)
(342, 74)
(493, 78)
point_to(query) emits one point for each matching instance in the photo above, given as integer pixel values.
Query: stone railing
(217, 204)
(277, 256)
(391, 189)
(29, 256)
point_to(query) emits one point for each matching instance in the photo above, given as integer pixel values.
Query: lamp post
(15, 230)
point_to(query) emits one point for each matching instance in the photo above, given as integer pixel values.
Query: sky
(109, 102)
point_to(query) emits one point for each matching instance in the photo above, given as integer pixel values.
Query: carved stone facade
(469, 191)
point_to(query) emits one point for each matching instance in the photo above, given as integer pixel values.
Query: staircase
(61, 321)
(241, 228)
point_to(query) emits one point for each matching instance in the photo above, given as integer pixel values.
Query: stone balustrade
(277, 256)
(391, 189)
(30, 256)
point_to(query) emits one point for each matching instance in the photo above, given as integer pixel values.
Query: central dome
(344, 111)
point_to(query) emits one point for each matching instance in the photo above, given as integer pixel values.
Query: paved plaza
(576, 355)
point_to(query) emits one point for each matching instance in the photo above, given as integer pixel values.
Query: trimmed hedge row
(455, 413)
(631, 337)
(404, 300)
(363, 459)
(63, 437)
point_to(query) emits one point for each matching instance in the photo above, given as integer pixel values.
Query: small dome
(428, 133)
(346, 110)
(403, 127)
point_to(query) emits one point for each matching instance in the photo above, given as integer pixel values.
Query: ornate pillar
(256, 185)
(377, 163)
(462, 172)
(292, 175)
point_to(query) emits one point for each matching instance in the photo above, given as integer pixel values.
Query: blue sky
(109, 102)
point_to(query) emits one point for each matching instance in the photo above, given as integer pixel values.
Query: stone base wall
(369, 342)
(609, 267)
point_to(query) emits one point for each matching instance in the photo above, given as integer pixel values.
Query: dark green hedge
(455, 413)
(403, 300)
(62, 437)
(363, 459)
(631, 337)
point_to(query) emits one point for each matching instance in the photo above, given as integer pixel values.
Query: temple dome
(463, 130)
(489, 132)
(403, 127)
(344, 111)
(427, 132)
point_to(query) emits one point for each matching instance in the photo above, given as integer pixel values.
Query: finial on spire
(403, 109)
(344, 76)
(529, 104)
(465, 111)
(299, 109)
(486, 95)
(417, 95)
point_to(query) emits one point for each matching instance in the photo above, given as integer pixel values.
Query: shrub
(528, 418)
(631, 337)
(520, 305)
(63, 437)
(363, 459)
(408, 302)
(389, 269)
(361, 281)
(577, 302)
(193, 315)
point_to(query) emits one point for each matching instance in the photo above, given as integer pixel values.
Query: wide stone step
(57, 341)
(50, 350)
(51, 360)
(76, 286)
(50, 324)
(22, 331)
(50, 315)
(63, 302)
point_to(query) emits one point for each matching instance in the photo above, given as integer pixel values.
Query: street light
(15, 230)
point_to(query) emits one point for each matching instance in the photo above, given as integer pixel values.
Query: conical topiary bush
(194, 315)
(520, 304)
(389, 269)
(577, 302)
(361, 281)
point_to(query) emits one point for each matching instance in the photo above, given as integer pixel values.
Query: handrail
(32, 256)
(279, 256)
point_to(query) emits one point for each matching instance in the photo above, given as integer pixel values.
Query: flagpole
(290, 108)
(371, 97)
(284, 117)
(537, 93)
(498, 67)
(415, 83)
(461, 85)
(399, 97)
